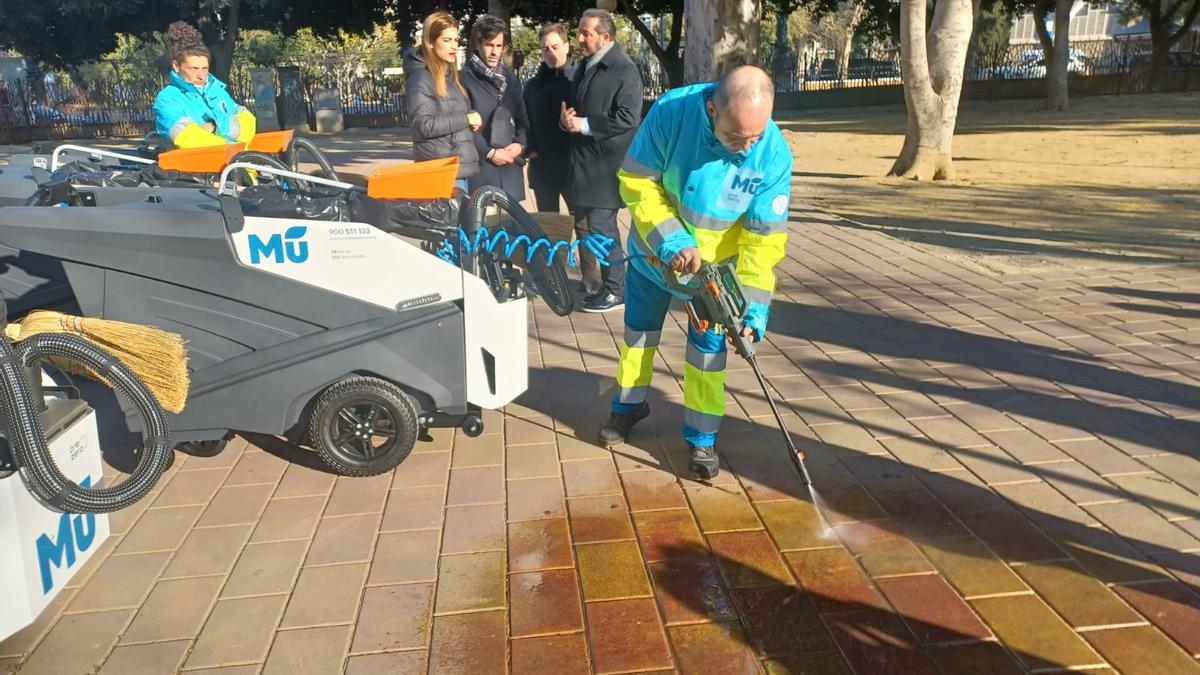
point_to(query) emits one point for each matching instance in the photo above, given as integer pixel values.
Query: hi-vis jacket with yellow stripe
(181, 110)
(684, 188)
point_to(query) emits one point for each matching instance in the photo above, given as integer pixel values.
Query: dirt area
(1113, 182)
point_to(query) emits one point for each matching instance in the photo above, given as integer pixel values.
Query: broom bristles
(156, 356)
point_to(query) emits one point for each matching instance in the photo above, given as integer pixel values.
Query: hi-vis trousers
(646, 307)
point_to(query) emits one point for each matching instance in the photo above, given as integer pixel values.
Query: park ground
(995, 380)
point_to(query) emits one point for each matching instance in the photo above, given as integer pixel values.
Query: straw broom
(157, 357)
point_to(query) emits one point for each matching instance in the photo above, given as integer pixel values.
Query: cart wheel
(363, 426)
(202, 448)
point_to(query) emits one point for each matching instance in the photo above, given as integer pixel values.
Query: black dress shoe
(704, 462)
(619, 425)
(603, 302)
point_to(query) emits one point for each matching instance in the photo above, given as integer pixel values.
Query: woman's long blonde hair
(435, 24)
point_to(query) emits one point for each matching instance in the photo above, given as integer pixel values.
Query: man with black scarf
(544, 97)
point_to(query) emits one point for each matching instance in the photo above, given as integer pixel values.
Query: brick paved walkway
(1010, 466)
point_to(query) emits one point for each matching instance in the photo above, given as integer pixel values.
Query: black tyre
(202, 448)
(363, 426)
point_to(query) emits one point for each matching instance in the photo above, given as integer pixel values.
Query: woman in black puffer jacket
(439, 112)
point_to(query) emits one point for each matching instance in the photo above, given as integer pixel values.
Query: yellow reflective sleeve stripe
(196, 136)
(757, 256)
(636, 367)
(248, 125)
(648, 202)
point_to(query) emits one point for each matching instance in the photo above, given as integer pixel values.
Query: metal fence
(107, 104)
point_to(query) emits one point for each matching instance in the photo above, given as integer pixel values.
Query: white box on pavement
(41, 549)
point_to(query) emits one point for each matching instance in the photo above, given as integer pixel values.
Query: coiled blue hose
(499, 243)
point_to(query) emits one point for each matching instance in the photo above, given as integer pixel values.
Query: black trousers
(546, 199)
(597, 277)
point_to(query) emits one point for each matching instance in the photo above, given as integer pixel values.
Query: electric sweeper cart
(304, 315)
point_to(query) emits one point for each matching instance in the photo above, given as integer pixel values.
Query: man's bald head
(741, 107)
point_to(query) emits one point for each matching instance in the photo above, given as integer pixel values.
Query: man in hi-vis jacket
(707, 178)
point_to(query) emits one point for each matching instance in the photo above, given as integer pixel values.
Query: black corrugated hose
(28, 439)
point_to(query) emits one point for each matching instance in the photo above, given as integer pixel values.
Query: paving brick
(1026, 446)
(626, 635)
(1079, 483)
(422, 469)
(1141, 649)
(1045, 506)
(405, 557)
(237, 631)
(1079, 599)
(174, 610)
(535, 499)
(961, 491)
(769, 478)
(921, 453)
(932, 610)
(571, 449)
(62, 650)
(921, 515)
(781, 621)
(236, 505)
(266, 568)
(255, 468)
(1142, 527)
(469, 529)
(948, 432)
(120, 581)
(532, 461)
(483, 631)
(833, 580)
(476, 485)
(208, 551)
(159, 530)
(596, 519)
(794, 524)
(191, 487)
(718, 509)
(1182, 469)
(541, 603)
(393, 617)
(539, 544)
(158, 657)
(302, 481)
(325, 595)
(718, 648)
(1011, 535)
(993, 465)
(972, 567)
(652, 489)
(472, 581)
(1170, 606)
(352, 495)
(977, 657)
(829, 663)
(293, 518)
(1037, 637)
(590, 478)
(1106, 556)
(417, 508)
(748, 559)
(565, 654)
(689, 590)
(343, 539)
(1161, 494)
(882, 550)
(611, 571)
(485, 450)
(876, 641)
(310, 651)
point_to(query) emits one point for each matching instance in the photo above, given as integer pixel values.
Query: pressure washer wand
(797, 454)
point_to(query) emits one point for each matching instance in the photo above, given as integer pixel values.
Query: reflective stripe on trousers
(646, 307)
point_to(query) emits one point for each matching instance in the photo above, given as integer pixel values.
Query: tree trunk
(1165, 32)
(721, 34)
(855, 18)
(1056, 50)
(932, 66)
(223, 51)
(668, 57)
(499, 9)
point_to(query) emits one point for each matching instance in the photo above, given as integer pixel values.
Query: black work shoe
(704, 462)
(619, 425)
(603, 302)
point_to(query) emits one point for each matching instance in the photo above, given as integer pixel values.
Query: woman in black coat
(439, 111)
(544, 98)
(495, 93)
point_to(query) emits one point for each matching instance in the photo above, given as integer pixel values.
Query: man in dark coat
(602, 116)
(495, 93)
(544, 96)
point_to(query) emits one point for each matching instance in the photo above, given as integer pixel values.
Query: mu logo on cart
(76, 534)
(289, 246)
